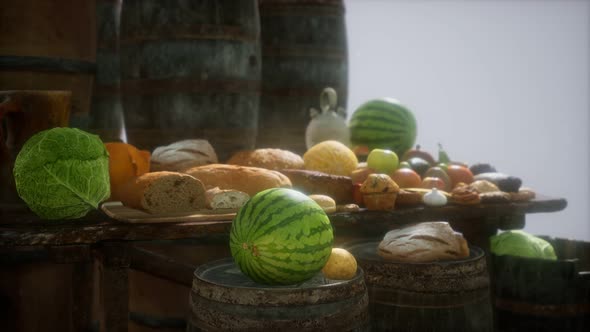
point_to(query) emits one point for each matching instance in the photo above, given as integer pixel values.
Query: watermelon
(281, 237)
(383, 124)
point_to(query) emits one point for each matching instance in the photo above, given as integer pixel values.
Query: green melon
(281, 237)
(383, 124)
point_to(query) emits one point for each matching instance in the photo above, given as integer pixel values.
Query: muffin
(379, 192)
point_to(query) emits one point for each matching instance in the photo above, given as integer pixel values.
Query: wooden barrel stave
(543, 295)
(304, 50)
(441, 296)
(106, 114)
(192, 70)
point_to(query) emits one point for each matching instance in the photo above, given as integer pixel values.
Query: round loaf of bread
(250, 180)
(182, 155)
(423, 242)
(275, 159)
(165, 192)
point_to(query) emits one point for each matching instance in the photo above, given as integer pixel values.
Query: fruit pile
(422, 179)
(384, 131)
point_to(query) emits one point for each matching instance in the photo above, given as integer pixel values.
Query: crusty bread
(226, 199)
(250, 180)
(275, 159)
(163, 192)
(313, 182)
(423, 242)
(325, 202)
(182, 155)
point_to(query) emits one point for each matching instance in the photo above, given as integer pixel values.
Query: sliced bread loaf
(165, 192)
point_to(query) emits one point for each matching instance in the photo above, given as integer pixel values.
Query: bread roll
(182, 155)
(423, 242)
(226, 199)
(313, 182)
(250, 180)
(325, 202)
(164, 192)
(275, 159)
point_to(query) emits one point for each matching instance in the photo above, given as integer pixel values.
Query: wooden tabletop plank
(19, 228)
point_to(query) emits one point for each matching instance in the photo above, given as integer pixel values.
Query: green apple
(382, 161)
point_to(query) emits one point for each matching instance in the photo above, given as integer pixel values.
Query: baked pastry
(495, 197)
(325, 202)
(182, 155)
(250, 180)
(226, 198)
(275, 159)
(348, 208)
(523, 195)
(423, 242)
(464, 195)
(379, 192)
(483, 186)
(338, 187)
(165, 192)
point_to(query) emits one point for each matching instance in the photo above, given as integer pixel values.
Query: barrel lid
(222, 279)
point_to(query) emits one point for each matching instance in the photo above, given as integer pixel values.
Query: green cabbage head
(62, 173)
(519, 243)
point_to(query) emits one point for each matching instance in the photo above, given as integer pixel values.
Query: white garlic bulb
(434, 198)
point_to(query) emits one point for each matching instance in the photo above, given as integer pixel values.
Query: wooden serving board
(119, 212)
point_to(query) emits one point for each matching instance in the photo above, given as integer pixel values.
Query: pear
(437, 172)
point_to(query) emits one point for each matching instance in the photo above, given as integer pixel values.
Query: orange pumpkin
(126, 163)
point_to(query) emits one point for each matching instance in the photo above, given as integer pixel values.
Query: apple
(383, 161)
(433, 182)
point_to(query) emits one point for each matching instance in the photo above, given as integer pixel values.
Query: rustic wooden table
(97, 240)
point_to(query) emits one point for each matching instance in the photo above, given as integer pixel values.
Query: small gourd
(434, 198)
(329, 123)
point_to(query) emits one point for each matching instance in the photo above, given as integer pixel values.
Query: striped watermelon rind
(383, 124)
(281, 237)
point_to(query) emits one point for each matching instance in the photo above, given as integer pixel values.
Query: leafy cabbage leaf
(522, 244)
(62, 173)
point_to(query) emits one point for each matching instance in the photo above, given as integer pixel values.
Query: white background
(504, 82)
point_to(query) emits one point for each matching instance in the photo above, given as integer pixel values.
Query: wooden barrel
(438, 296)
(191, 69)
(161, 277)
(106, 114)
(224, 299)
(304, 50)
(49, 45)
(543, 295)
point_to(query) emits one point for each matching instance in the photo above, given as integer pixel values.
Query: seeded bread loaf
(250, 180)
(164, 192)
(275, 159)
(423, 242)
(313, 182)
